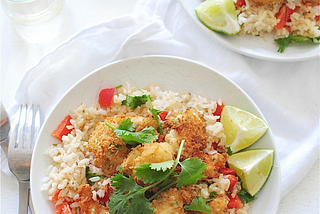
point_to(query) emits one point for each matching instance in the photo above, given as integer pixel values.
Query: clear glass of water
(31, 11)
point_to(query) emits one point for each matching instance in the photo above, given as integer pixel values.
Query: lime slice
(242, 128)
(219, 15)
(253, 167)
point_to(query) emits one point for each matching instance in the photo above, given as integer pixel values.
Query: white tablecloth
(287, 93)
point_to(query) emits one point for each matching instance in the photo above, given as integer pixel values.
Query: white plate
(252, 46)
(171, 73)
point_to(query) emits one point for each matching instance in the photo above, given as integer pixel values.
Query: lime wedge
(242, 128)
(219, 15)
(253, 167)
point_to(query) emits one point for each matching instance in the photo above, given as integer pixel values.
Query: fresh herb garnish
(135, 101)
(198, 204)
(155, 113)
(119, 86)
(229, 151)
(245, 196)
(284, 42)
(191, 171)
(125, 131)
(90, 175)
(129, 197)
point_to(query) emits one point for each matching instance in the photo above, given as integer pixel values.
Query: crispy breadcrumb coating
(168, 202)
(109, 150)
(214, 163)
(188, 126)
(219, 204)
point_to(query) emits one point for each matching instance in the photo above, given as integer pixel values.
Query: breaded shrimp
(147, 153)
(188, 126)
(219, 204)
(109, 150)
(214, 163)
(168, 202)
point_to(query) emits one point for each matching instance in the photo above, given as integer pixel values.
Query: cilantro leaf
(245, 196)
(149, 175)
(198, 204)
(229, 151)
(284, 42)
(146, 135)
(125, 132)
(127, 124)
(191, 171)
(153, 172)
(162, 166)
(212, 195)
(128, 197)
(155, 113)
(135, 101)
(91, 175)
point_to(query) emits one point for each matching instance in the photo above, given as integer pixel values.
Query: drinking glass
(31, 11)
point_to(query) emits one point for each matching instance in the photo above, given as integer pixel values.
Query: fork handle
(23, 196)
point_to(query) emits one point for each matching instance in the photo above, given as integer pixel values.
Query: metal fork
(25, 128)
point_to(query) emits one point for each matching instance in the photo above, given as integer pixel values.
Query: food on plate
(147, 151)
(289, 21)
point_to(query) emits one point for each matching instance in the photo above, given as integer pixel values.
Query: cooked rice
(259, 19)
(70, 158)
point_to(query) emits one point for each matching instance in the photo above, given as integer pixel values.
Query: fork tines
(26, 126)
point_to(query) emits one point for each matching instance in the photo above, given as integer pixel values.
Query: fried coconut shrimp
(109, 150)
(214, 163)
(147, 153)
(188, 126)
(168, 202)
(219, 204)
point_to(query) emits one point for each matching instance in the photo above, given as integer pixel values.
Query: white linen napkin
(286, 93)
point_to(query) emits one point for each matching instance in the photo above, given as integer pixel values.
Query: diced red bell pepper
(62, 129)
(317, 17)
(284, 15)
(63, 208)
(234, 202)
(106, 97)
(218, 110)
(240, 3)
(233, 180)
(227, 171)
(106, 197)
(163, 115)
(55, 196)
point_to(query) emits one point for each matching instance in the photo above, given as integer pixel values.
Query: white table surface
(18, 55)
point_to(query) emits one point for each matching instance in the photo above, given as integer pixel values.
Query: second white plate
(252, 46)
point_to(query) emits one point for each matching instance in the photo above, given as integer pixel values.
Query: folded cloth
(286, 93)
